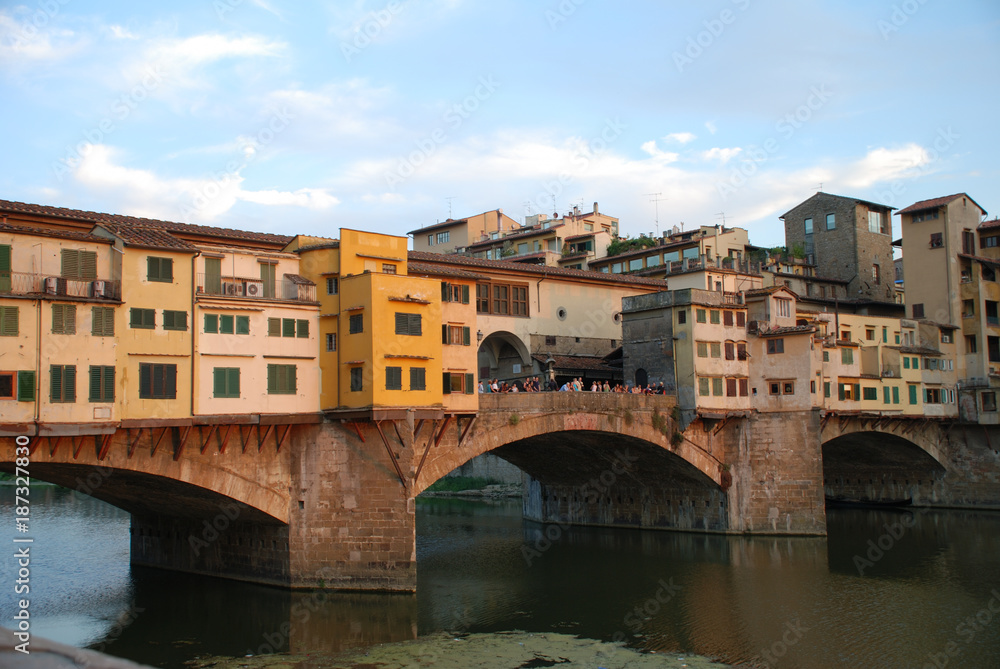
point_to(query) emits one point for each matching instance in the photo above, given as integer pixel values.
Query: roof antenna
(449, 205)
(657, 200)
(722, 215)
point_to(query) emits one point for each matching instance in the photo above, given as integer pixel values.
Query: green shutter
(170, 381)
(95, 384)
(885, 395)
(219, 382)
(445, 292)
(242, 325)
(8, 321)
(906, 362)
(466, 336)
(69, 383)
(465, 294)
(857, 391)
(841, 391)
(913, 394)
(109, 383)
(211, 323)
(273, 327)
(57, 318)
(55, 383)
(26, 386)
(233, 382)
(272, 379)
(444, 333)
(5, 282)
(226, 324)
(145, 380)
(402, 324)
(97, 321)
(470, 383)
(288, 327)
(447, 383)
(302, 329)
(88, 265)
(70, 264)
(826, 389)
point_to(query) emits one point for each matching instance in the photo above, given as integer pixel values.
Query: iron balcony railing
(28, 283)
(254, 288)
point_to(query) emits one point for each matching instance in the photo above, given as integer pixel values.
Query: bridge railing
(574, 401)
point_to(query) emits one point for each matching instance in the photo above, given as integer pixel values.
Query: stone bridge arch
(617, 420)
(925, 434)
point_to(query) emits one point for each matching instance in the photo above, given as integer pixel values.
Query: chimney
(595, 209)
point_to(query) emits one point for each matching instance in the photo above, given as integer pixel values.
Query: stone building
(846, 239)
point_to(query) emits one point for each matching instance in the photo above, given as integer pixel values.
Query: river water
(885, 589)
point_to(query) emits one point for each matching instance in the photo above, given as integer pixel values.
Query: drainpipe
(194, 323)
(38, 361)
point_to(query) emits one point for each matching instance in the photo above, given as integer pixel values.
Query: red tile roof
(520, 234)
(574, 362)
(506, 265)
(49, 232)
(440, 270)
(992, 223)
(935, 203)
(148, 238)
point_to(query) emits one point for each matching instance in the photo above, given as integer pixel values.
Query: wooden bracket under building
(105, 445)
(465, 432)
(388, 449)
(224, 438)
(132, 443)
(260, 439)
(54, 445)
(77, 446)
(447, 421)
(281, 442)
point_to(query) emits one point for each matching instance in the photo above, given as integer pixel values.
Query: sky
(307, 117)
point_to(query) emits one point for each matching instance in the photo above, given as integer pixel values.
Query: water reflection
(795, 602)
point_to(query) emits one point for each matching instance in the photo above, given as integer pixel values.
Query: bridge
(332, 502)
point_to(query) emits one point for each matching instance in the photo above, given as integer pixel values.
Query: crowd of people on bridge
(532, 384)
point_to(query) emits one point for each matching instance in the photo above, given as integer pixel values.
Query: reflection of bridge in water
(333, 502)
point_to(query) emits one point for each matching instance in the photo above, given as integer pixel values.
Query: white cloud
(120, 32)
(22, 41)
(183, 60)
(655, 152)
(681, 137)
(201, 200)
(711, 127)
(723, 155)
(881, 165)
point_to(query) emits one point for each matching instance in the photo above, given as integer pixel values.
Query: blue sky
(380, 115)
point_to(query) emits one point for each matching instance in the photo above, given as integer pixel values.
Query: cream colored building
(451, 234)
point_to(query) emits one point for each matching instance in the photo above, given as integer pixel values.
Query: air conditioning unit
(232, 288)
(887, 373)
(753, 327)
(255, 289)
(52, 285)
(98, 288)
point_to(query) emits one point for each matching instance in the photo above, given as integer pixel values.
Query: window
(913, 393)
(26, 386)
(871, 393)
(178, 320)
(63, 319)
(918, 310)
(242, 325)
(211, 323)
(932, 396)
(454, 293)
(388, 268)
(885, 334)
(62, 384)
(157, 382)
(989, 400)
(876, 275)
(831, 221)
(936, 240)
(787, 387)
(808, 224)
(730, 387)
(741, 319)
(970, 344)
(848, 392)
(870, 334)
(730, 350)
(703, 385)
(444, 237)
(716, 350)
(699, 315)
(102, 322)
(550, 340)
(331, 342)
(458, 335)
(968, 308)
(332, 285)
(8, 322)
(744, 384)
(968, 241)
(281, 379)
(6, 385)
(826, 389)
(144, 319)
(713, 316)
(727, 318)
(302, 328)
(895, 394)
(287, 327)
(875, 223)
(989, 242)
(357, 374)
(159, 269)
(826, 356)
(5, 268)
(430, 240)
(102, 383)
(682, 316)
(774, 387)
(501, 299)
(776, 345)
(703, 349)
(847, 356)
(78, 264)
(393, 378)
(267, 278)
(991, 313)
(519, 300)
(635, 264)
(226, 381)
(408, 324)
(741, 350)
(418, 379)
(717, 386)
(989, 274)
(458, 383)
(906, 362)
(356, 324)
(993, 348)
(784, 307)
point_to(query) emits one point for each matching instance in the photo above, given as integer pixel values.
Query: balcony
(253, 288)
(25, 283)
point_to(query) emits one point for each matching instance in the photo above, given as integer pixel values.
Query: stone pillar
(351, 521)
(777, 471)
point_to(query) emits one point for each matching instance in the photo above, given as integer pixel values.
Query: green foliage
(675, 414)
(799, 251)
(676, 439)
(514, 419)
(321, 584)
(459, 483)
(626, 244)
(627, 416)
(660, 423)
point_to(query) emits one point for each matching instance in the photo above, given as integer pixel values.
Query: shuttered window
(418, 380)
(408, 324)
(281, 380)
(102, 322)
(242, 325)
(102, 383)
(357, 379)
(5, 283)
(62, 384)
(302, 329)
(63, 319)
(226, 324)
(273, 327)
(8, 322)
(175, 320)
(142, 318)
(458, 383)
(78, 264)
(393, 378)
(211, 323)
(26, 386)
(356, 324)
(287, 327)
(159, 269)
(157, 381)
(226, 381)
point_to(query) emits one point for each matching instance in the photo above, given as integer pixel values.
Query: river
(885, 589)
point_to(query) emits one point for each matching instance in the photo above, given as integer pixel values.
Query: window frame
(159, 269)
(223, 377)
(149, 389)
(101, 380)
